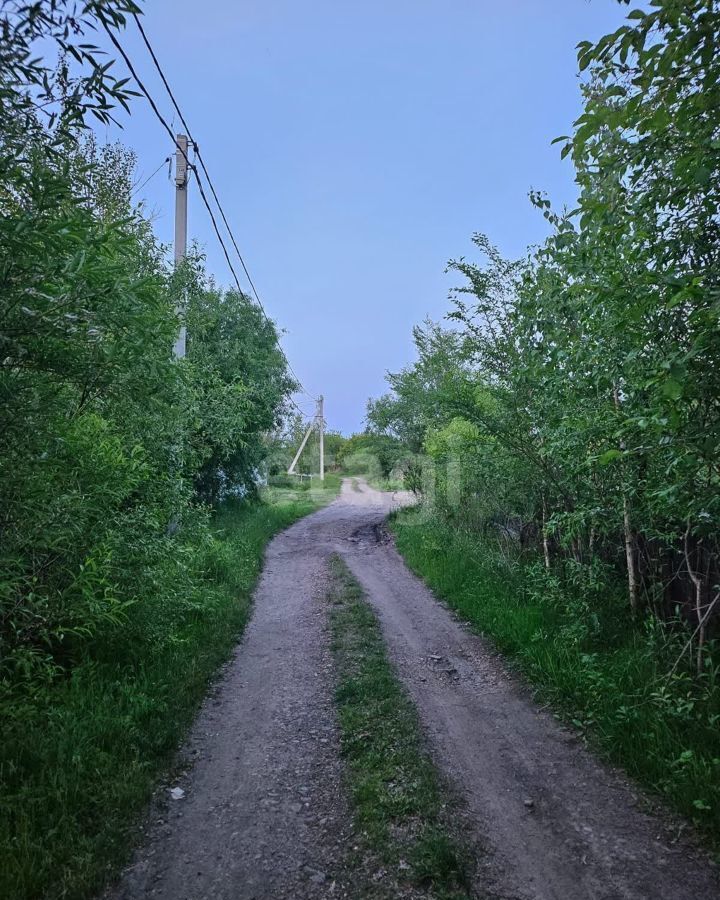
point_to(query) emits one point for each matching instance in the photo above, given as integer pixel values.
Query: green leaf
(672, 389)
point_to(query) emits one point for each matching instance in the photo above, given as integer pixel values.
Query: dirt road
(264, 814)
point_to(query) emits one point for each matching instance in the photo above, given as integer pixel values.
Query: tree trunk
(699, 592)
(576, 546)
(546, 543)
(630, 558)
(631, 561)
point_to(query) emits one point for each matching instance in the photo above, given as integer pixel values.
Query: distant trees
(577, 396)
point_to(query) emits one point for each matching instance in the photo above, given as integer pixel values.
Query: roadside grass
(396, 794)
(84, 757)
(291, 488)
(611, 684)
(387, 484)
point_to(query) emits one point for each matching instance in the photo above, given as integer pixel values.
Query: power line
(167, 128)
(176, 105)
(118, 46)
(150, 177)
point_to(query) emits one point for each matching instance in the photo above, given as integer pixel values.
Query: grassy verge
(83, 759)
(386, 484)
(609, 679)
(395, 790)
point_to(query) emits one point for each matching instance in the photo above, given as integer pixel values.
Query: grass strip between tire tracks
(396, 793)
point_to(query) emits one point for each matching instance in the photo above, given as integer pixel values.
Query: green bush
(80, 756)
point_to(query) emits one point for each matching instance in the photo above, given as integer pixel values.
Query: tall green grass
(607, 676)
(79, 761)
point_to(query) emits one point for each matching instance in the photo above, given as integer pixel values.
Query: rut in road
(265, 816)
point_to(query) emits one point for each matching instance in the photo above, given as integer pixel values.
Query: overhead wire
(131, 68)
(167, 128)
(198, 152)
(150, 177)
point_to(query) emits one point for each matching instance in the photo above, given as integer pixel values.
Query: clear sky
(356, 146)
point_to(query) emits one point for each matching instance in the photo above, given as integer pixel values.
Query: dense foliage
(120, 591)
(108, 444)
(576, 401)
(570, 415)
(80, 765)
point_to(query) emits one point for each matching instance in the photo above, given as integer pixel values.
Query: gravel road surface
(264, 814)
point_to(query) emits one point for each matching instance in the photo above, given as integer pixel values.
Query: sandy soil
(264, 814)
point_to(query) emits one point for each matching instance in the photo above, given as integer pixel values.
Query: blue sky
(356, 147)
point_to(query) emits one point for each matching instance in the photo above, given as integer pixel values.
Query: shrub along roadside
(396, 794)
(80, 763)
(610, 682)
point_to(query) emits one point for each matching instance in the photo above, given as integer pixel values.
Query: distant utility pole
(319, 423)
(181, 184)
(321, 429)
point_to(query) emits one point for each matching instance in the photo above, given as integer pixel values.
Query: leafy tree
(240, 382)
(421, 394)
(106, 440)
(577, 394)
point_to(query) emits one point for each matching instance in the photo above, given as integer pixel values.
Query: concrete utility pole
(181, 183)
(319, 423)
(321, 428)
